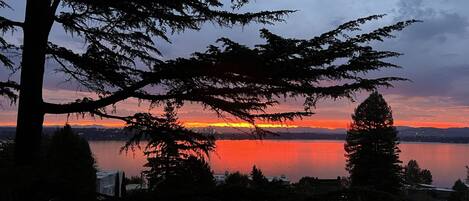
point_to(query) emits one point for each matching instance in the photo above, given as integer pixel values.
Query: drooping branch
(6, 24)
(9, 89)
(10, 84)
(96, 70)
(88, 105)
(161, 130)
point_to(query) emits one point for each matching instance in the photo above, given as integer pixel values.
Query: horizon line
(228, 125)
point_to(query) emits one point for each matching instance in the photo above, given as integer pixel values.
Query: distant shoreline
(338, 140)
(425, 135)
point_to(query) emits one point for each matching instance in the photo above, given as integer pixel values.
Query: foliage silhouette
(66, 171)
(70, 167)
(306, 185)
(426, 176)
(171, 149)
(237, 179)
(413, 174)
(134, 180)
(258, 180)
(371, 147)
(461, 192)
(239, 187)
(120, 60)
(193, 177)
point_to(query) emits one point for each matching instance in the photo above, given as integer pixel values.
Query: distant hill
(89, 133)
(450, 135)
(433, 132)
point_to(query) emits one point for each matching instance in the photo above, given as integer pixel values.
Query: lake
(297, 158)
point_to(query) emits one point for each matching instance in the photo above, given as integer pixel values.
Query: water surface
(297, 158)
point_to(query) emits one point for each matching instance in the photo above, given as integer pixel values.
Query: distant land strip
(406, 134)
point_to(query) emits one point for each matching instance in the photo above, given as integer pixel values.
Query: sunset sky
(436, 59)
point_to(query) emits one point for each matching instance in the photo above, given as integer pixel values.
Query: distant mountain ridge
(433, 132)
(426, 134)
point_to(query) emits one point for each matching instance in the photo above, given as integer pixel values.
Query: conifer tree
(170, 148)
(258, 180)
(372, 147)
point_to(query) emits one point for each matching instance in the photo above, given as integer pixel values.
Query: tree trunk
(30, 113)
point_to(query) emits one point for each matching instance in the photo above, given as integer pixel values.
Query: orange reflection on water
(109, 157)
(297, 158)
(294, 158)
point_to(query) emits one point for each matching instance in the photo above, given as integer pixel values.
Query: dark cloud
(435, 51)
(437, 24)
(448, 81)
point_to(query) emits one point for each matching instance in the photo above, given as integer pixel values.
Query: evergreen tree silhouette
(371, 147)
(121, 60)
(413, 174)
(258, 180)
(69, 168)
(237, 180)
(426, 176)
(171, 149)
(461, 192)
(192, 176)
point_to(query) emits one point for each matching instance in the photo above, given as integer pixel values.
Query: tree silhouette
(120, 60)
(371, 147)
(69, 167)
(426, 176)
(192, 176)
(258, 180)
(461, 192)
(306, 185)
(66, 171)
(170, 147)
(237, 180)
(413, 174)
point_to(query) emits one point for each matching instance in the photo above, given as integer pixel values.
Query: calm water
(297, 158)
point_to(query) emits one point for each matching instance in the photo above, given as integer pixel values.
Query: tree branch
(4, 22)
(10, 84)
(87, 105)
(7, 89)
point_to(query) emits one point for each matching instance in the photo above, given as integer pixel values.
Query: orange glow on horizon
(236, 125)
(325, 124)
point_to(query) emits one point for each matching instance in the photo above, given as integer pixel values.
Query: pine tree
(258, 180)
(372, 147)
(120, 60)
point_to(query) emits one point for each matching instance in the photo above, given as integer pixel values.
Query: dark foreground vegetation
(121, 60)
(180, 172)
(66, 171)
